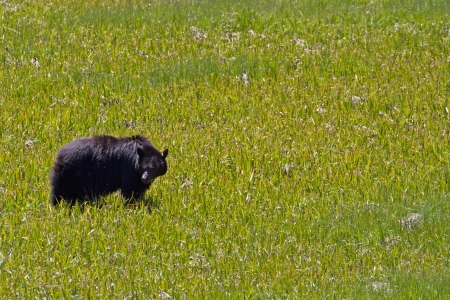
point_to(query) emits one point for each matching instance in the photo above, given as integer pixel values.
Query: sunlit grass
(308, 148)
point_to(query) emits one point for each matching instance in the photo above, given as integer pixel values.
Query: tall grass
(308, 147)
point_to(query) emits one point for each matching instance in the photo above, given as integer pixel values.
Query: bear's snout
(146, 178)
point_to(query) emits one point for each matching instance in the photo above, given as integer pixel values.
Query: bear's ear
(140, 150)
(164, 153)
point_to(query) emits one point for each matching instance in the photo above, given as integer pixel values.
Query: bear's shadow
(148, 202)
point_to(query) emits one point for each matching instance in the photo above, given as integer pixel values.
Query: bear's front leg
(130, 196)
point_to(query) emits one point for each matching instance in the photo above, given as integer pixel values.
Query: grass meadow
(308, 148)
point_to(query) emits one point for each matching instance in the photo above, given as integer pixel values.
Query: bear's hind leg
(54, 200)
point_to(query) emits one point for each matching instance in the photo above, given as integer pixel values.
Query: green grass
(324, 174)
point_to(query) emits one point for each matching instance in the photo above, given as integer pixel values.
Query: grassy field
(308, 148)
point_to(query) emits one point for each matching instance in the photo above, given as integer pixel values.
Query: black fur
(91, 167)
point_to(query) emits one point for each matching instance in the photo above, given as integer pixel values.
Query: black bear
(91, 167)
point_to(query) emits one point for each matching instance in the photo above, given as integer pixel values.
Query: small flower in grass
(198, 34)
(300, 42)
(329, 127)
(142, 53)
(198, 261)
(187, 183)
(30, 143)
(130, 124)
(164, 295)
(230, 36)
(412, 220)
(321, 109)
(409, 124)
(392, 107)
(380, 286)
(391, 241)
(446, 30)
(356, 100)
(288, 168)
(243, 78)
(35, 62)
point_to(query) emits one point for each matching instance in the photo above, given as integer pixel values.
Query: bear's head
(152, 163)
